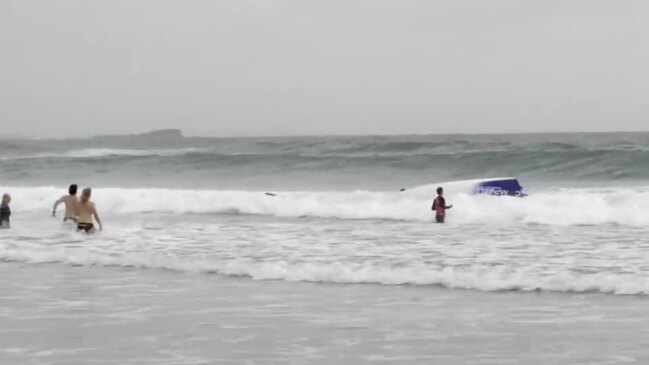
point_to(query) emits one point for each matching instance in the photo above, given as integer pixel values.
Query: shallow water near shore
(89, 315)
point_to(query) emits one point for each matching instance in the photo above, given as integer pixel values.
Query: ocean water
(197, 265)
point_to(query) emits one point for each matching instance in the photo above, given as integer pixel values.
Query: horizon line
(334, 135)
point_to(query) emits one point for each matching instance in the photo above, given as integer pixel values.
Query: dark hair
(72, 189)
(440, 190)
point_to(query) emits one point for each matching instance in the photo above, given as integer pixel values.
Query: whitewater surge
(559, 207)
(506, 276)
(198, 205)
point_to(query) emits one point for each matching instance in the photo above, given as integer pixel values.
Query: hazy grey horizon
(253, 68)
(639, 133)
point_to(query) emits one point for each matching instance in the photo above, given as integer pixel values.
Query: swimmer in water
(86, 212)
(71, 204)
(5, 211)
(439, 206)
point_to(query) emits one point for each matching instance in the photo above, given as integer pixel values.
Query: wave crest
(561, 207)
(477, 277)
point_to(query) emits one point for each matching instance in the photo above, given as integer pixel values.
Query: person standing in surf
(439, 206)
(5, 211)
(86, 212)
(71, 203)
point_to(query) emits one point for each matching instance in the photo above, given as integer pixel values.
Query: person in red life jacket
(439, 206)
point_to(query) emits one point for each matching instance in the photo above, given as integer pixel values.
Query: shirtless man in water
(71, 203)
(86, 210)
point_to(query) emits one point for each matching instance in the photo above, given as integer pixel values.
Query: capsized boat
(501, 186)
(505, 186)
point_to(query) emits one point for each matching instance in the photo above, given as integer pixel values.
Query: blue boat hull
(499, 187)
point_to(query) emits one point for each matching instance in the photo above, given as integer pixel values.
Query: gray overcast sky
(278, 67)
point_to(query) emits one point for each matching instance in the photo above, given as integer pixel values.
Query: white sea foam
(565, 207)
(472, 252)
(103, 152)
(477, 277)
(99, 152)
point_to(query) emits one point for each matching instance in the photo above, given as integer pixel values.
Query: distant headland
(159, 134)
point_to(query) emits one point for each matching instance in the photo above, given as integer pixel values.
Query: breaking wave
(474, 277)
(117, 154)
(561, 207)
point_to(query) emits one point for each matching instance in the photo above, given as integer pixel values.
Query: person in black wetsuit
(5, 211)
(439, 206)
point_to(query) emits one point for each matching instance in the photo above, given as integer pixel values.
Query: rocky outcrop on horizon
(155, 134)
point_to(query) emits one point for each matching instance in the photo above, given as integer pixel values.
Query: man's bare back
(71, 204)
(87, 213)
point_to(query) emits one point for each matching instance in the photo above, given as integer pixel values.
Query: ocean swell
(439, 157)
